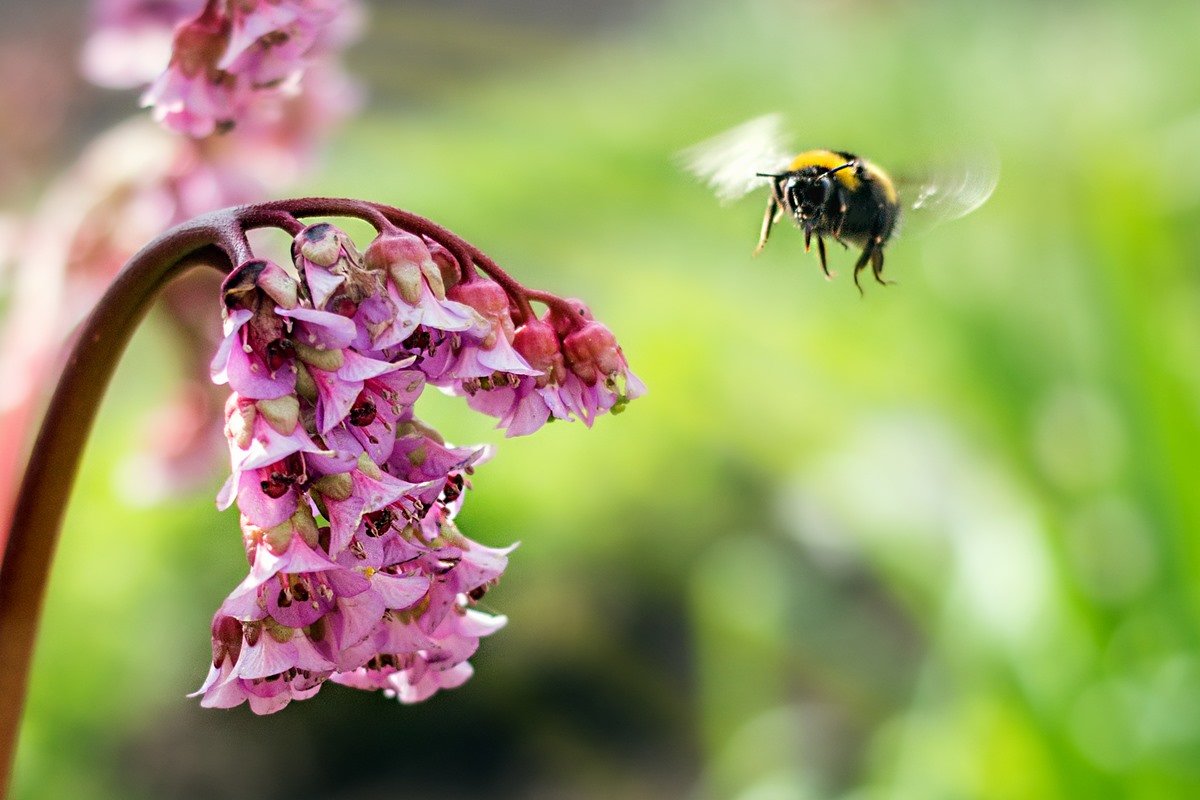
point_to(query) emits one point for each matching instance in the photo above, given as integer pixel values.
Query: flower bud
(324, 257)
(536, 342)
(321, 244)
(447, 264)
(490, 305)
(239, 288)
(592, 352)
(405, 259)
(564, 323)
(489, 299)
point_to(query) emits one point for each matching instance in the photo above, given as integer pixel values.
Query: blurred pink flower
(223, 65)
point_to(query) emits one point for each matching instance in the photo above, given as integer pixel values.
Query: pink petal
(298, 558)
(258, 507)
(228, 493)
(477, 624)
(307, 656)
(401, 387)
(248, 376)
(355, 618)
(527, 415)
(268, 705)
(337, 397)
(231, 328)
(503, 358)
(399, 591)
(367, 680)
(252, 26)
(356, 367)
(323, 330)
(402, 637)
(429, 683)
(264, 658)
(219, 691)
(480, 565)
(268, 445)
(321, 283)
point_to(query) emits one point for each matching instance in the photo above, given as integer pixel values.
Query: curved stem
(516, 292)
(54, 460)
(557, 305)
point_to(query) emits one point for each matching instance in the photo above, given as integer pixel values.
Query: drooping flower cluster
(347, 500)
(223, 60)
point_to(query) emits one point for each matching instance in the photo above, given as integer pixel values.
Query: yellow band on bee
(827, 159)
(883, 179)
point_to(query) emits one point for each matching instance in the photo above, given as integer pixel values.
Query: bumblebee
(832, 193)
(836, 194)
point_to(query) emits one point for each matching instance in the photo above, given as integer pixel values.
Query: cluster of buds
(347, 501)
(234, 52)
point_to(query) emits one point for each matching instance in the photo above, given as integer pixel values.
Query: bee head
(807, 195)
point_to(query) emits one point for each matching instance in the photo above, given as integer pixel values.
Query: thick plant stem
(42, 499)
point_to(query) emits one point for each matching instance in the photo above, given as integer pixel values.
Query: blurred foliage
(937, 542)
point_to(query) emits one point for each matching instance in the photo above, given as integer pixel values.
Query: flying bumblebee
(832, 193)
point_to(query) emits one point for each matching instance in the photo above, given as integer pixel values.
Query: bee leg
(769, 219)
(861, 264)
(821, 253)
(843, 208)
(877, 262)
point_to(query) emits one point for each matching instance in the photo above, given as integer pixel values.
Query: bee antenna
(766, 175)
(838, 169)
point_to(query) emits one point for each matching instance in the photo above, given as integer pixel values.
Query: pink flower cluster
(228, 57)
(358, 573)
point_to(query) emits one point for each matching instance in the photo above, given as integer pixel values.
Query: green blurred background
(939, 542)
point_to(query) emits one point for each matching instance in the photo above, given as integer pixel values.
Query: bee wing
(952, 190)
(729, 162)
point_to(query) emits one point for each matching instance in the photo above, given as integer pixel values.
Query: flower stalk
(54, 460)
